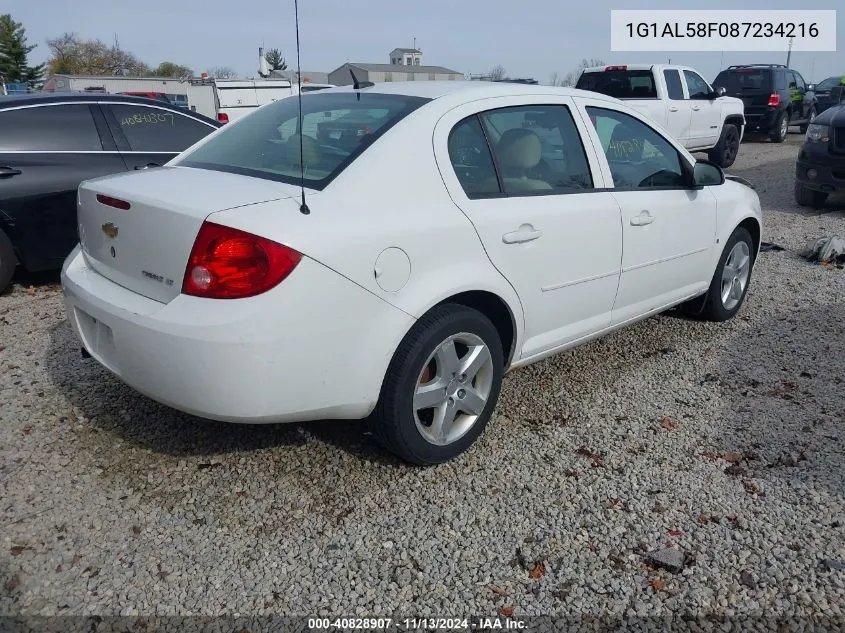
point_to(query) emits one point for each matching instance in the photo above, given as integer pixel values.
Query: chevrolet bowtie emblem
(110, 230)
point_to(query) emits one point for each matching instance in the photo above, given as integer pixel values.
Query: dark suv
(775, 97)
(820, 168)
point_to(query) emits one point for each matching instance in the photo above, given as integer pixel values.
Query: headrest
(519, 148)
(310, 150)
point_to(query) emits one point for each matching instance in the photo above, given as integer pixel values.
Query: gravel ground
(725, 441)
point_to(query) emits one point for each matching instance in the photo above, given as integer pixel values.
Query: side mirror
(811, 87)
(721, 91)
(705, 174)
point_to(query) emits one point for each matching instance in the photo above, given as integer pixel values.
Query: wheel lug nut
(461, 393)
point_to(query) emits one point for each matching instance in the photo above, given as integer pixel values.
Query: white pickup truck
(680, 100)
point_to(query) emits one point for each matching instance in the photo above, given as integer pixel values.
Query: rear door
(151, 135)
(45, 152)
(535, 194)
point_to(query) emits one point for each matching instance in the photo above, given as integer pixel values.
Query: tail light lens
(222, 117)
(774, 99)
(227, 263)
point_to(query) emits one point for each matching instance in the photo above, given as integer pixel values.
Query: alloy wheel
(735, 275)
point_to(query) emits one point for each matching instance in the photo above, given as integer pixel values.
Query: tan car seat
(518, 151)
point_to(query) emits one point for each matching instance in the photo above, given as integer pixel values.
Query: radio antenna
(303, 208)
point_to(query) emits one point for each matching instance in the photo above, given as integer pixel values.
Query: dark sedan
(49, 143)
(820, 169)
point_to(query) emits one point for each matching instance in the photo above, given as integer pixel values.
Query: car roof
(469, 89)
(41, 98)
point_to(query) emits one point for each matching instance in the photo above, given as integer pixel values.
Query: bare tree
(72, 55)
(222, 72)
(497, 72)
(554, 80)
(571, 78)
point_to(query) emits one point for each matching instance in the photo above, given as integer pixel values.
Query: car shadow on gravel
(112, 406)
(783, 384)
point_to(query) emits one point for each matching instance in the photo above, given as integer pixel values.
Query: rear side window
(744, 80)
(49, 128)
(157, 130)
(537, 149)
(673, 84)
(270, 143)
(621, 84)
(471, 159)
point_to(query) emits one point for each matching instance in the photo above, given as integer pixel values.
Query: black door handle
(148, 165)
(9, 171)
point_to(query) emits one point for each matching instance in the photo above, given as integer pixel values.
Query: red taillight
(222, 117)
(774, 99)
(227, 263)
(113, 202)
(609, 68)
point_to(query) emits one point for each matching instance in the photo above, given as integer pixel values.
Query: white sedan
(451, 231)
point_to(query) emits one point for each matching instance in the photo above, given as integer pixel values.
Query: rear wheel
(731, 279)
(807, 197)
(8, 261)
(724, 154)
(780, 129)
(441, 386)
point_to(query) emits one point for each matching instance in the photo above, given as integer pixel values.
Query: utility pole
(789, 53)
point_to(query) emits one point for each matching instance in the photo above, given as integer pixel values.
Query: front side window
(157, 130)
(336, 129)
(537, 148)
(56, 128)
(638, 157)
(696, 86)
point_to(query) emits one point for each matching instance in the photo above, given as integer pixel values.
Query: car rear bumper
(760, 121)
(821, 175)
(315, 347)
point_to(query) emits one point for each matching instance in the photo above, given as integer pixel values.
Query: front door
(669, 229)
(523, 177)
(45, 152)
(705, 123)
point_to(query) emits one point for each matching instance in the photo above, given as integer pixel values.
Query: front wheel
(441, 386)
(8, 261)
(807, 197)
(731, 279)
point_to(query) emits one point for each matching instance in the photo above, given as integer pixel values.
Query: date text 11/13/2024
(415, 624)
(722, 29)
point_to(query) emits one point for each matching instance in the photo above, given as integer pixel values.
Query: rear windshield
(622, 84)
(828, 83)
(744, 80)
(336, 129)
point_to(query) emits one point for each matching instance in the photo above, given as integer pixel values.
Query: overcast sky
(528, 37)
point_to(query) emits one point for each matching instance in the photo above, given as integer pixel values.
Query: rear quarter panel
(391, 196)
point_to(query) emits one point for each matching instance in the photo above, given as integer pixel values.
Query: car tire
(730, 282)
(780, 128)
(726, 150)
(8, 261)
(807, 197)
(810, 119)
(432, 359)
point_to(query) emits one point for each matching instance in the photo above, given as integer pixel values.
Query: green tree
(169, 69)
(275, 59)
(14, 53)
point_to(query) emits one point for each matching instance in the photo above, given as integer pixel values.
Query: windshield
(622, 84)
(827, 84)
(336, 129)
(744, 80)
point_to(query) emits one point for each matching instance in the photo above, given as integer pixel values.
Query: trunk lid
(145, 248)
